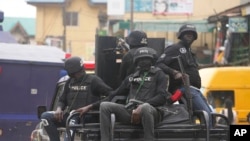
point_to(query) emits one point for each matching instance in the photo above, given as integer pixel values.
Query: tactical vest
(80, 93)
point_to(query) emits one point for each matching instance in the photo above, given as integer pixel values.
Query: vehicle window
(217, 98)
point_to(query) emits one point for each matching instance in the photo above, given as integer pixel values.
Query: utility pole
(64, 26)
(131, 15)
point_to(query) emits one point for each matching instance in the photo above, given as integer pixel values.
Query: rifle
(186, 82)
(121, 47)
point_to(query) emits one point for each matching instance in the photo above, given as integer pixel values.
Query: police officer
(81, 90)
(145, 89)
(135, 40)
(169, 64)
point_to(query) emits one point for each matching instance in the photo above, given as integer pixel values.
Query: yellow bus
(221, 83)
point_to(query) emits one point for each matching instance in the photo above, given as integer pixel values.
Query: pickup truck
(185, 130)
(194, 128)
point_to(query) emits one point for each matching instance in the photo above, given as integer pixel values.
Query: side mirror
(40, 110)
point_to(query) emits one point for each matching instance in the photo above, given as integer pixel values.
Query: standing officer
(81, 90)
(135, 40)
(169, 64)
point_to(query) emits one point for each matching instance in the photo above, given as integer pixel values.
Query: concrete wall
(81, 38)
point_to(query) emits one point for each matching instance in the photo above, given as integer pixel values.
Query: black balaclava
(144, 64)
(78, 75)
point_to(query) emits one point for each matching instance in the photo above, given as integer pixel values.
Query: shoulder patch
(130, 79)
(183, 50)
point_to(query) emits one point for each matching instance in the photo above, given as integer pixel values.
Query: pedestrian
(168, 62)
(80, 90)
(229, 112)
(135, 40)
(220, 57)
(148, 86)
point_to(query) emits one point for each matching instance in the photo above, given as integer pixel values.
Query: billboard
(238, 24)
(167, 7)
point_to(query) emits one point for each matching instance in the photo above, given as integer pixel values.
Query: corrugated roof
(29, 24)
(33, 53)
(233, 11)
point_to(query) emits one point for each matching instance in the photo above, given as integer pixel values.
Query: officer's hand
(177, 75)
(58, 115)
(136, 115)
(83, 110)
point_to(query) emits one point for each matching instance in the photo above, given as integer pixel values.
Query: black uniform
(127, 67)
(168, 63)
(79, 91)
(83, 91)
(135, 40)
(150, 89)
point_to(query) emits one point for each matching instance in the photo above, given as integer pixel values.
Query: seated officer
(146, 89)
(81, 90)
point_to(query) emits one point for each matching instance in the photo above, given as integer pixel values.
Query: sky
(17, 8)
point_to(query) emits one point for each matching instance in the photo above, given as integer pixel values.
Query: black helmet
(145, 52)
(73, 65)
(137, 39)
(187, 27)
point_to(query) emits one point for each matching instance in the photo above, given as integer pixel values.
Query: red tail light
(67, 55)
(89, 65)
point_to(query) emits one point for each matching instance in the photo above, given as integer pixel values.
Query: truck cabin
(221, 83)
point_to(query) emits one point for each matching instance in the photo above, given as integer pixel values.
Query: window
(71, 18)
(217, 98)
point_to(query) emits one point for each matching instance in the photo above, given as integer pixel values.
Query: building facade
(73, 24)
(21, 29)
(233, 35)
(76, 34)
